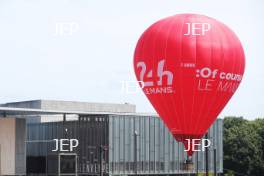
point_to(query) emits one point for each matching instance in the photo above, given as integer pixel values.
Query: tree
(243, 152)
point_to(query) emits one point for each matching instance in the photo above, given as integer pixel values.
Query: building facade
(112, 140)
(117, 145)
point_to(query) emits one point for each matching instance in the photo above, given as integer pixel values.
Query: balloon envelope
(189, 67)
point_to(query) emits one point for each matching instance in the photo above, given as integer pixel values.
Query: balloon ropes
(190, 66)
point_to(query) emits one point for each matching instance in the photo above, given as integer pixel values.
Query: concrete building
(113, 140)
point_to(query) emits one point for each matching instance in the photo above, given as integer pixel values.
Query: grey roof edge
(26, 111)
(9, 111)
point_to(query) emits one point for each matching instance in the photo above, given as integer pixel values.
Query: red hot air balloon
(190, 65)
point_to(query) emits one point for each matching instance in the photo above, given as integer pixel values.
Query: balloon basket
(188, 165)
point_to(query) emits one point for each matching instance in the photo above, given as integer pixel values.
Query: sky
(42, 59)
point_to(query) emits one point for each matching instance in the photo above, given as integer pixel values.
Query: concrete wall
(7, 143)
(35, 104)
(86, 106)
(12, 143)
(73, 106)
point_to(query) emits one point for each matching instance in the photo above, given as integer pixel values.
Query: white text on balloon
(197, 28)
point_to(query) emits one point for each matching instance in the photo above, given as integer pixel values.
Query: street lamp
(103, 149)
(215, 171)
(206, 156)
(135, 151)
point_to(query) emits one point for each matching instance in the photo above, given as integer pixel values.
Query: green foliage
(229, 173)
(244, 146)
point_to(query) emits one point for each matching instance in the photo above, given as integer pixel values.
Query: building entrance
(67, 164)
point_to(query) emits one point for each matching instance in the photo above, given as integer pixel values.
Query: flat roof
(10, 111)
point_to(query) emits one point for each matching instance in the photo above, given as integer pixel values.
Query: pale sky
(90, 64)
